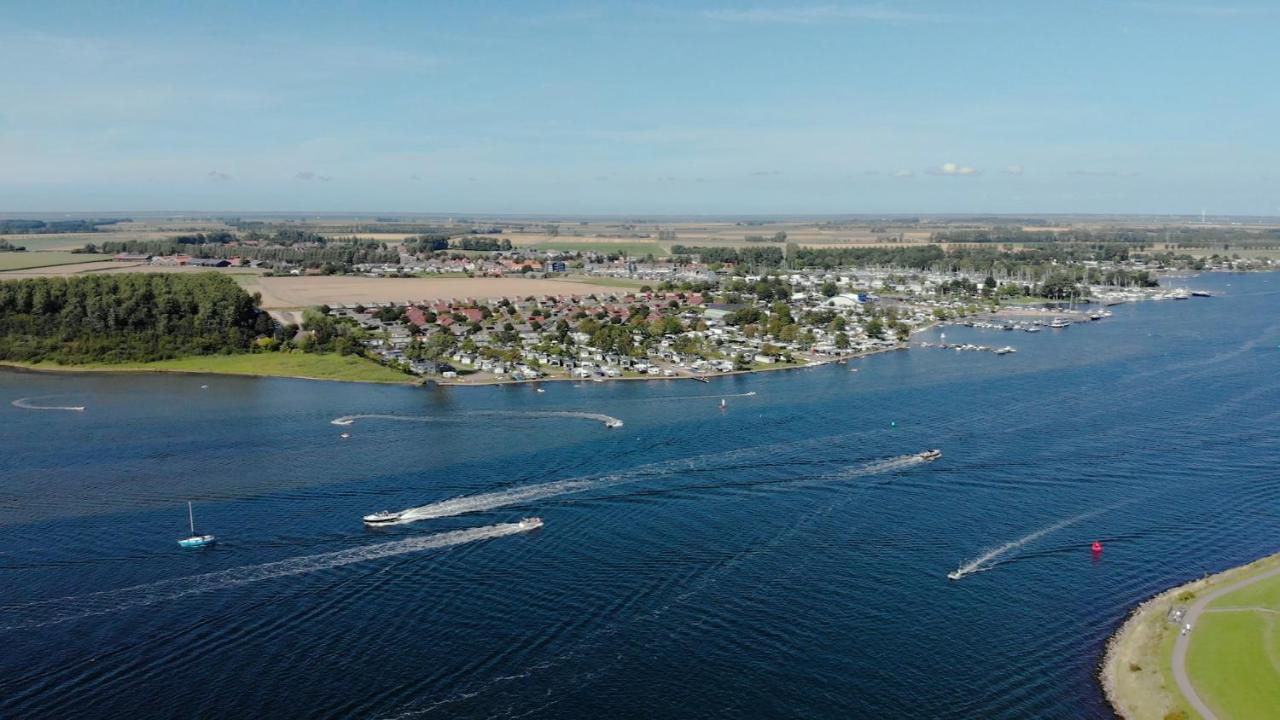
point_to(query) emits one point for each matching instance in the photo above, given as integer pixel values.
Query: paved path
(1180, 645)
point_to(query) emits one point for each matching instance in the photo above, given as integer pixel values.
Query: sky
(734, 107)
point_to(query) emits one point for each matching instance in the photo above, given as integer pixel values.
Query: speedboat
(194, 540)
(530, 523)
(383, 517)
(1005, 350)
(930, 455)
(613, 423)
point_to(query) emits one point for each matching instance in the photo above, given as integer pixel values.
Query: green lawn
(30, 259)
(326, 366)
(63, 241)
(611, 282)
(1234, 656)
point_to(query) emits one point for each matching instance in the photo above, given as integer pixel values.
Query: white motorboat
(383, 517)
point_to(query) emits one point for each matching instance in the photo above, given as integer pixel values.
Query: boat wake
(988, 560)
(60, 610)
(27, 404)
(541, 491)
(669, 398)
(607, 420)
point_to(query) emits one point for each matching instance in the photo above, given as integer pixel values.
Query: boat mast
(191, 518)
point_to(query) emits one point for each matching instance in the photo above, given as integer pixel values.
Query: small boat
(930, 455)
(382, 517)
(344, 436)
(1005, 350)
(530, 523)
(194, 540)
(723, 404)
(613, 423)
(955, 575)
(539, 390)
(1059, 323)
(1201, 293)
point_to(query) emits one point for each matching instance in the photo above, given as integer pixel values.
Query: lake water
(770, 559)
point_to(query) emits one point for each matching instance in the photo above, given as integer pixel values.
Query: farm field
(281, 293)
(30, 260)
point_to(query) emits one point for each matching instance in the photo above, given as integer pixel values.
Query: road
(1180, 645)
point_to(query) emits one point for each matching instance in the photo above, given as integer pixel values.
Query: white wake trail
(60, 610)
(26, 404)
(669, 398)
(987, 560)
(528, 493)
(607, 420)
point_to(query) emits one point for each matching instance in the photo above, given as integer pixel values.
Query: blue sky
(629, 108)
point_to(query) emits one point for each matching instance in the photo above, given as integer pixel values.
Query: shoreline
(125, 369)
(657, 378)
(1144, 641)
(409, 380)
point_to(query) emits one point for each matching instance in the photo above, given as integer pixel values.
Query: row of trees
(126, 317)
(335, 253)
(41, 227)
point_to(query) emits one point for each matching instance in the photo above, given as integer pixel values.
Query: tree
(842, 341)
(875, 328)
(829, 289)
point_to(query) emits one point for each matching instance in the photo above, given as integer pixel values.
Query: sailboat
(195, 540)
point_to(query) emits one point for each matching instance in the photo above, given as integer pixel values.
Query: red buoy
(1097, 547)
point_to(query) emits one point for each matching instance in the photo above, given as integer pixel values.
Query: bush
(1135, 667)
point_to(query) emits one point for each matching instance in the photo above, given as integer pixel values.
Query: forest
(42, 227)
(126, 318)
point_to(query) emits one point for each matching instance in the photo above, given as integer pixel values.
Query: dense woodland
(126, 317)
(42, 227)
(289, 245)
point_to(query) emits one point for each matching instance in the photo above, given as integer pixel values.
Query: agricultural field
(30, 260)
(284, 293)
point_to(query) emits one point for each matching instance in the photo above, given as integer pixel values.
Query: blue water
(756, 561)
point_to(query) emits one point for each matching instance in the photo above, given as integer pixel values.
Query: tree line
(44, 227)
(126, 317)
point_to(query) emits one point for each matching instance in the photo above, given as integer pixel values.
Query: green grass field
(274, 364)
(631, 247)
(64, 241)
(28, 260)
(612, 282)
(1234, 656)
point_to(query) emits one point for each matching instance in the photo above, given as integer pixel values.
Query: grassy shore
(1233, 660)
(310, 366)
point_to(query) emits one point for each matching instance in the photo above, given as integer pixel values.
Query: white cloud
(950, 168)
(820, 13)
(1013, 169)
